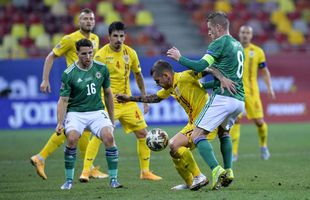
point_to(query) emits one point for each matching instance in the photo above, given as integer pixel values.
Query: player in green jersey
(80, 106)
(225, 54)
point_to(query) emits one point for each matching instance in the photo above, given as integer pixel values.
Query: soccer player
(120, 60)
(66, 47)
(254, 61)
(190, 94)
(225, 54)
(80, 106)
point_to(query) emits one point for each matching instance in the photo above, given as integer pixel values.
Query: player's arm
(61, 112)
(196, 65)
(48, 64)
(267, 80)
(152, 98)
(140, 83)
(108, 101)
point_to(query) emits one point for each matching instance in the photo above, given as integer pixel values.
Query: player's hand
(271, 94)
(45, 86)
(146, 108)
(174, 53)
(122, 98)
(229, 85)
(59, 129)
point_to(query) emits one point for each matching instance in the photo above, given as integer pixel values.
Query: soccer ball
(157, 139)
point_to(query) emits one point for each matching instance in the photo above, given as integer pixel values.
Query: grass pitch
(285, 176)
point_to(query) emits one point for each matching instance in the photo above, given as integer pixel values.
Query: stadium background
(30, 28)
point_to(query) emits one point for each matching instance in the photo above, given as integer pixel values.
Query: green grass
(285, 176)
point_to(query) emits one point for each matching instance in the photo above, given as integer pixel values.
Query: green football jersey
(83, 87)
(228, 57)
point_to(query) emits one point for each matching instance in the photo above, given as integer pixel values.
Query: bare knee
(141, 133)
(72, 139)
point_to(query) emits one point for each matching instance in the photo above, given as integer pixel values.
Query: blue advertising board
(27, 107)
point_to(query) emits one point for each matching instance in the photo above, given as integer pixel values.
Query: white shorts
(93, 121)
(219, 111)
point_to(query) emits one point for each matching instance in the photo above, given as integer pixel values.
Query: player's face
(245, 35)
(213, 31)
(162, 81)
(87, 22)
(85, 55)
(117, 39)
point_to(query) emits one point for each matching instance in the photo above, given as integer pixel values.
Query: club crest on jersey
(98, 75)
(126, 58)
(94, 44)
(58, 46)
(177, 91)
(251, 54)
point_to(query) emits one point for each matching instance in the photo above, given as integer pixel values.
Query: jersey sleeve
(98, 57)
(106, 75)
(215, 48)
(163, 94)
(65, 88)
(135, 62)
(63, 46)
(193, 74)
(262, 59)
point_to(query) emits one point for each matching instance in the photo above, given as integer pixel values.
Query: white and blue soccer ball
(157, 139)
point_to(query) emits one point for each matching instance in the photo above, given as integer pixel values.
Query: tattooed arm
(152, 98)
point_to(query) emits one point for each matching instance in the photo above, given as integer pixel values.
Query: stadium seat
(50, 3)
(296, 38)
(112, 17)
(223, 5)
(9, 41)
(4, 53)
(35, 30)
(104, 7)
(43, 41)
(144, 18)
(19, 30)
(18, 52)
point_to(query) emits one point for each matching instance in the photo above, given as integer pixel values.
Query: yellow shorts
(254, 107)
(187, 131)
(130, 116)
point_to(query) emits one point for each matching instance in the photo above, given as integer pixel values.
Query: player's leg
(180, 146)
(103, 129)
(262, 129)
(132, 120)
(88, 169)
(50, 147)
(235, 137)
(144, 154)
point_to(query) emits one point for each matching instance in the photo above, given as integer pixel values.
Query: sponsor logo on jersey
(251, 54)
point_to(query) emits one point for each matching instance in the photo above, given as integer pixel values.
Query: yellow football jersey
(66, 46)
(120, 64)
(254, 59)
(188, 92)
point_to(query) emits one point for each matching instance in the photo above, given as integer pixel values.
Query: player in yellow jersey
(190, 94)
(66, 48)
(121, 60)
(254, 61)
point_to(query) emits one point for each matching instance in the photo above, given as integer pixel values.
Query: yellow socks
(190, 164)
(184, 173)
(83, 142)
(52, 144)
(235, 137)
(262, 134)
(144, 154)
(91, 153)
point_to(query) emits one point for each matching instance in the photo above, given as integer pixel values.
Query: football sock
(206, 151)
(262, 134)
(226, 149)
(91, 153)
(144, 154)
(235, 137)
(70, 157)
(112, 160)
(83, 142)
(183, 172)
(52, 144)
(190, 163)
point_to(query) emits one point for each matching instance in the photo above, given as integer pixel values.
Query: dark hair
(219, 18)
(116, 26)
(161, 66)
(87, 11)
(83, 43)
